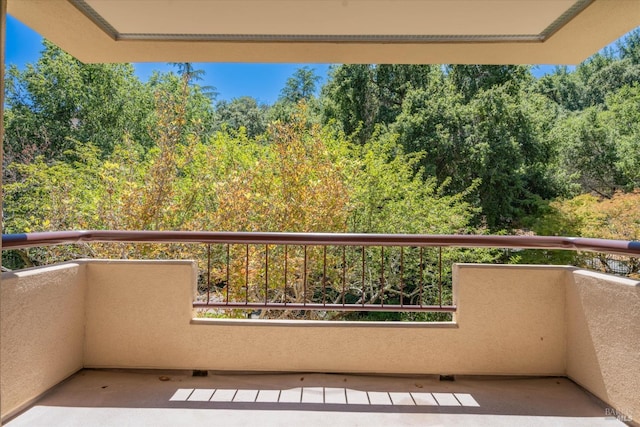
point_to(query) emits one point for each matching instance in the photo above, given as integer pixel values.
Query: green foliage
(433, 120)
(520, 140)
(469, 80)
(300, 86)
(243, 112)
(586, 215)
(588, 152)
(629, 47)
(596, 78)
(598, 149)
(497, 139)
(59, 100)
(299, 89)
(358, 97)
(564, 88)
(389, 196)
(623, 117)
(295, 183)
(507, 153)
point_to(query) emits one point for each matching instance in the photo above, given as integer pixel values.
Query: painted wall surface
(603, 346)
(512, 317)
(42, 331)
(139, 314)
(510, 321)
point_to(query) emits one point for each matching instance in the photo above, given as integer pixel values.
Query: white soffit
(346, 31)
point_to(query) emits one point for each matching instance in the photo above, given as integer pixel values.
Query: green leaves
(389, 196)
(59, 99)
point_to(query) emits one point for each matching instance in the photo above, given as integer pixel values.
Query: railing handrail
(27, 240)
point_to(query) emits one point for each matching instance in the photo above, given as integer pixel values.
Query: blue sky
(262, 81)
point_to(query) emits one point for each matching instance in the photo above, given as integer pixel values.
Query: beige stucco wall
(511, 321)
(42, 331)
(139, 314)
(512, 318)
(603, 338)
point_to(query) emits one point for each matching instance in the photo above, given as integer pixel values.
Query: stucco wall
(139, 313)
(511, 321)
(512, 317)
(603, 338)
(42, 331)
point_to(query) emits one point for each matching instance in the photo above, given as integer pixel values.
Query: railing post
(382, 275)
(266, 274)
(208, 271)
(440, 275)
(228, 275)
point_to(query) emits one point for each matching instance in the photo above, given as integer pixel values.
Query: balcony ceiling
(331, 31)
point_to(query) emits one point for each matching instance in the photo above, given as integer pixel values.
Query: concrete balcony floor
(176, 398)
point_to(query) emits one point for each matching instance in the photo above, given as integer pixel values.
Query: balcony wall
(511, 320)
(511, 323)
(603, 338)
(43, 326)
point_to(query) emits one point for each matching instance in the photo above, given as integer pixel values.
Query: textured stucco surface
(511, 321)
(138, 314)
(603, 346)
(42, 330)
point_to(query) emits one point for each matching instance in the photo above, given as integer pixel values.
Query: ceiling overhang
(331, 31)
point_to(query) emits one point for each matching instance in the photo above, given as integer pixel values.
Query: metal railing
(321, 271)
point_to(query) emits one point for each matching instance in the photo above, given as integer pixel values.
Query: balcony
(92, 340)
(123, 342)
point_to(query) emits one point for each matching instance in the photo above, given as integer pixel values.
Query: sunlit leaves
(586, 215)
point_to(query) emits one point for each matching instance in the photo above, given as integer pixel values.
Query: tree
(629, 47)
(358, 97)
(190, 74)
(586, 215)
(59, 100)
(299, 90)
(348, 98)
(623, 117)
(198, 116)
(609, 78)
(503, 148)
(302, 85)
(391, 194)
(471, 79)
(295, 183)
(393, 82)
(433, 120)
(243, 112)
(588, 153)
(564, 88)
(498, 139)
